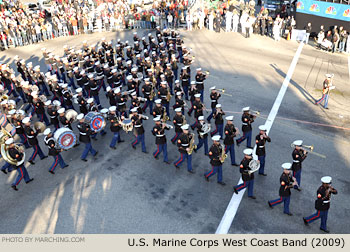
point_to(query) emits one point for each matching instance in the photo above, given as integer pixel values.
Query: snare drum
(65, 138)
(127, 125)
(95, 120)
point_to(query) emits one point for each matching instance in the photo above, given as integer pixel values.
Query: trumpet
(144, 117)
(310, 149)
(222, 91)
(255, 112)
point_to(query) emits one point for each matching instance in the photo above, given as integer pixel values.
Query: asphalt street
(127, 191)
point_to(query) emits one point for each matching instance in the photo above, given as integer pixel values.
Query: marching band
(70, 92)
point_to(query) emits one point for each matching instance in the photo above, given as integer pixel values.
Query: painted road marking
(233, 205)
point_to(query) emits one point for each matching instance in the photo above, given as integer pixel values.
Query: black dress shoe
(4, 171)
(234, 164)
(324, 230)
(206, 178)
(156, 157)
(95, 138)
(146, 152)
(32, 162)
(121, 141)
(29, 181)
(96, 154)
(176, 166)
(133, 147)
(167, 162)
(269, 204)
(76, 145)
(51, 172)
(235, 190)
(263, 174)
(289, 214)
(104, 133)
(44, 158)
(298, 189)
(237, 143)
(84, 159)
(305, 222)
(65, 166)
(191, 171)
(252, 197)
(222, 183)
(14, 188)
(114, 148)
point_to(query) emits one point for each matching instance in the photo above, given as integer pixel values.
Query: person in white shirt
(228, 21)
(170, 20)
(189, 21)
(211, 22)
(235, 21)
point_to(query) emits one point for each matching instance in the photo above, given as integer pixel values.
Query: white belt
(137, 126)
(179, 124)
(184, 144)
(199, 82)
(160, 135)
(52, 116)
(94, 88)
(82, 133)
(262, 146)
(184, 79)
(214, 100)
(121, 103)
(79, 79)
(296, 161)
(110, 77)
(326, 201)
(244, 123)
(30, 136)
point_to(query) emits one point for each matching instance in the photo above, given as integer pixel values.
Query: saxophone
(152, 94)
(168, 96)
(165, 117)
(223, 154)
(192, 145)
(184, 120)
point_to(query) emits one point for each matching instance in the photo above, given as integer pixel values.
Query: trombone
(222, 91)
(310, 149)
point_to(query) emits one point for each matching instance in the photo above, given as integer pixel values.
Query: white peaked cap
(80, 116)
(298, 142)
(185, 127)
(326, 179)
(248, 152)
(216, 138)
(262, 127)
(287, 166)
(229, 118)
(47, 131)
(61, 110)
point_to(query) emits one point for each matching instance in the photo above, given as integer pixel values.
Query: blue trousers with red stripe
(285, 200)
(24, 140)
(43, 118)
(219, 129)
(231, 149)
(324, 98)
(37, 150)
(116, 137)
(262, 164)
(215, 169)
(213, 110)
(248, 136)
(149, 104)
(195, 124)
(201, 142)
(57, 160)
(297, 175)
(22, 174)
(161, 148)
(319, 214)
(140, 138)
(7, 166)
(174, 139)
(88, 148)
(249, 184)
(182, 158)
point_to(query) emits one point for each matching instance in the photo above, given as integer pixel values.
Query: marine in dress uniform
(215, 153)
(299, 155)
(81, 101)
(247, 120)
(198, 108)
(286, 182)
(52, 112)
(247, 176)
(202, 137)
(159, 132)
(32, 140)
(39, 109)
(185, 81)
(19, 128)
(183, 144)
(67, 97)
(139, 131)
(219, 121)
(21, 170)
(114, 127)
(325, 91)
(230, 133)
(260, 141)
(63, 119)
(53, 151)
(178, 121)
(179, 103)
(322, 203)
(214, 97)
(146, 90)
(200, 77)
(162, 94)
(84, 137)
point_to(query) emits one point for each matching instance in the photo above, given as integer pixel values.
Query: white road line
(232, 207)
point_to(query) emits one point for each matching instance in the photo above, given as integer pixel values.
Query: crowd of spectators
(21, 25)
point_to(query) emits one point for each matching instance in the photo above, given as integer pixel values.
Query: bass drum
(65, 138)
(95, 120)
(4, 123)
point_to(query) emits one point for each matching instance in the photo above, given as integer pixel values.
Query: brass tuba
(39, 127)
(4, 149)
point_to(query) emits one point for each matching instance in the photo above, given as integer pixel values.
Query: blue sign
(324, 9)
